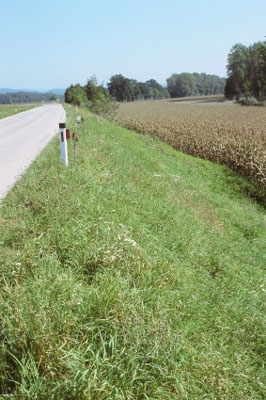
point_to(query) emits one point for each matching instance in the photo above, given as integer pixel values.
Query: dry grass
(209, 128)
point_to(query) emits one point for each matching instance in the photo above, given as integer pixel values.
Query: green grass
(7, 111)
(136, 274)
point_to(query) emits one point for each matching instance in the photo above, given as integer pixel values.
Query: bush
(249, 101)
(104, 106)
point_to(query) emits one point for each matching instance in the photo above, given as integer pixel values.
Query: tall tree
(93, 90)
(157, 90)
(181, 85)
(120, 88)
(144, 90)
(75, 94)
(246, 70)
(237, 69)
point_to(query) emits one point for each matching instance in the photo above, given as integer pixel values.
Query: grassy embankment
(8, 110)
(136, 274)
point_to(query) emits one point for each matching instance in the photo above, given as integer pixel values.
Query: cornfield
(217, 131)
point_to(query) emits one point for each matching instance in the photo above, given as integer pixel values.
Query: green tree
(94, 96)
(158, 91)
(99, 100)
(93, 90)
(76, 94)
(186, 84)
(152, 83)
(124, 89)
(246, 70)
(53, 97)
(135, 90)
(257, 71)
(181, 85)
(144, 90)
(237, 68)
(120, 88)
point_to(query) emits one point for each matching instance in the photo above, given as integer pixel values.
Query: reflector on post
(63, 143)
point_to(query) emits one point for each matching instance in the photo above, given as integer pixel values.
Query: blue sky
(53, 43)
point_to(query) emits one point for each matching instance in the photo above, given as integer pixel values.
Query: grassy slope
(7, 111)
(136, 274)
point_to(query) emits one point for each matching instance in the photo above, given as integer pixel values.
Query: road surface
(22, 137)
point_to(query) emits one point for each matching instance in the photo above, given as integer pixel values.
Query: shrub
(104, 106)
(249, 101)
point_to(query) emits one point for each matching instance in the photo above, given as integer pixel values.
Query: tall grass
(135, 274)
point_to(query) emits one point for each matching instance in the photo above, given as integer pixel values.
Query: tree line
(118, 88)
(95, 96)
(195, 84)
(123, 89)
(26, 97)
(246, 70)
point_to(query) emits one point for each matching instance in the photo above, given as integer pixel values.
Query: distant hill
(3, 90)
(59, 92)
(26, 97)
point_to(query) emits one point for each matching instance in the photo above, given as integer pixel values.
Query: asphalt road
(22, 137)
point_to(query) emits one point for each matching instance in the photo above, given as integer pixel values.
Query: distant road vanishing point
(22, 137)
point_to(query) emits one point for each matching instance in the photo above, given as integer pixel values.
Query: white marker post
(63, 143)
